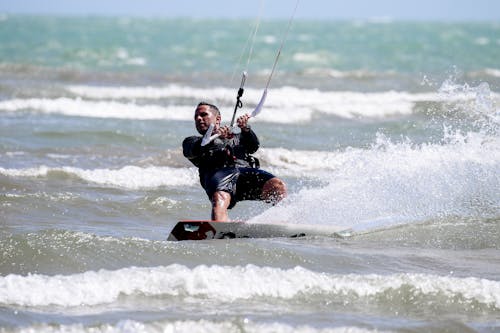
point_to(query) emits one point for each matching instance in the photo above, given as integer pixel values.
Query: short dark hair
(211, 107)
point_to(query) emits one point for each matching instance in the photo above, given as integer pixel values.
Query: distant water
(390, 129)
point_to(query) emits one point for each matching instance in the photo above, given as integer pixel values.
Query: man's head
(205, 115)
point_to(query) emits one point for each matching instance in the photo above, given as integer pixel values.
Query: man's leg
(274, 190)
(220, 202)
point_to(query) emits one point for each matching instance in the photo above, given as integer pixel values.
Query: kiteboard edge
(208, 229)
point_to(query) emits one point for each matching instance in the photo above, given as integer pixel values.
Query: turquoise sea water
(387, 128)
(177, 46)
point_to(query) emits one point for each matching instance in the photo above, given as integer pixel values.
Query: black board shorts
(241, 183)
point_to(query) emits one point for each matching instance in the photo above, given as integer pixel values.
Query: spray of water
(392, 183)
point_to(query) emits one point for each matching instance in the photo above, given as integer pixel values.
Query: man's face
(203, 117)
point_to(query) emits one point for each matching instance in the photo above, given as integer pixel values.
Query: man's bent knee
(274, 190)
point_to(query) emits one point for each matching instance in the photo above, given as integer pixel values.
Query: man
(228, 172)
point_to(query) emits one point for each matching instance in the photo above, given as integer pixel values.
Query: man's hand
(242, 122)
(225, 132)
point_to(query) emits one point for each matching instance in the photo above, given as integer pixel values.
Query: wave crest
(241, 282)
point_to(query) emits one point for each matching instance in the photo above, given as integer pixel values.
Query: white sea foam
(131, 177)
(395, 183)
(97, 109)
(482, 41)
(300, 163)
(343, 104)
(493, 72)
(112, 109)
(359, 73)
(149, 92)
(315, 58)
(293, 104)
(227, 284)
(292, 163)
(123, 55)
(283, 105)
(191, 326)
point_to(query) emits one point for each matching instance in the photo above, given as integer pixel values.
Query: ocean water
(390, 129)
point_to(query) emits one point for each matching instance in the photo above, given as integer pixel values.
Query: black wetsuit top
(227, 164)
(221, 153)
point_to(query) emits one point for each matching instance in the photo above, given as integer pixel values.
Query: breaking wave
(227, 284)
